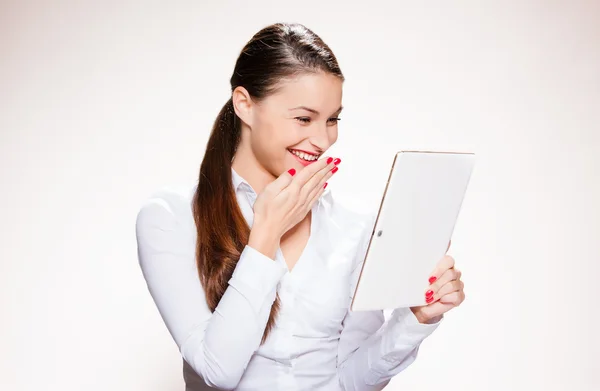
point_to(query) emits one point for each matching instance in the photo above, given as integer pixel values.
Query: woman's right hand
(286, 201)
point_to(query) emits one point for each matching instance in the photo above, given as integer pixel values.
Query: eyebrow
(313, 110)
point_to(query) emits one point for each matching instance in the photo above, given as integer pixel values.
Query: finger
(449, 275)
(316, 182)
(331, 168)
(309, 171)
(319, 189)
(316, 196)
(450, 287)
(282, 181)
(454, 298)
(447, 262)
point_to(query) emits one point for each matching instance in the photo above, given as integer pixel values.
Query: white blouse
(317, 342)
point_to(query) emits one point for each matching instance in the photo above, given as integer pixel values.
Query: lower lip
(302, 161)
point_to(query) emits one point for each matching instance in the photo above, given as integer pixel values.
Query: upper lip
(300, 150)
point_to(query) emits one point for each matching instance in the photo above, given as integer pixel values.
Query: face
(296, 125)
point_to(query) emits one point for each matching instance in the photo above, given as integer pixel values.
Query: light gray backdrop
(102, 102)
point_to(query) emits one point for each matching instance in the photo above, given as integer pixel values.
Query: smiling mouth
(304, 156)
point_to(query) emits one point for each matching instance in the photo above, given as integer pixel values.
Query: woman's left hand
(444, 293)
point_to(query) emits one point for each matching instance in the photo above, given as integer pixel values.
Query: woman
(253, 269)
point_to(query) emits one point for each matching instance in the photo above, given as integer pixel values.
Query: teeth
(304, 156)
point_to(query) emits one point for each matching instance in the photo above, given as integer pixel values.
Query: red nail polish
(432, 279)
(429, 293)
(329, 160)
(292, 171)
(337, 161)
(325, 185)
(429, 299)
(333, 171)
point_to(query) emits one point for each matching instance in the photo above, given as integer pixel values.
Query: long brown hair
(276, 52)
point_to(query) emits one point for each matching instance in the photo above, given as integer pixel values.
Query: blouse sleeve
(219, 345)
(372, 351)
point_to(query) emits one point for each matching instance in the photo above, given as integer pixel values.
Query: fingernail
(333, 171)
(292, 171)
(337, 161)
(429, 299)
(429, 293)
(329, 160)
(432, 279)
(325, 185)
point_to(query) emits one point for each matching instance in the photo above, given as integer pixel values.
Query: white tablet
(417, 215)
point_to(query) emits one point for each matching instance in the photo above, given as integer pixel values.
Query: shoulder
(166, 208)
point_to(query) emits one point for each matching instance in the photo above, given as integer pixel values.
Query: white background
(103, 102)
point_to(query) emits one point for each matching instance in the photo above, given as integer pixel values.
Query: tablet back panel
(417, 215)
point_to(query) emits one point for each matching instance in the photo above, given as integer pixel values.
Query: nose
(320, 137)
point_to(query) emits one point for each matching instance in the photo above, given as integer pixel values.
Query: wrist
(419, 315)
(264, 240)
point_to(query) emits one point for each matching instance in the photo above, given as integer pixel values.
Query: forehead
(319, 91)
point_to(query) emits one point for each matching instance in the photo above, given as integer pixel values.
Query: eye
(334, 120)
(304, 120)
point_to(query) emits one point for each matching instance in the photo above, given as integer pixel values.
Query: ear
(243, 105)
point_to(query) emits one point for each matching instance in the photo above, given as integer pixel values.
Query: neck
(246, 165)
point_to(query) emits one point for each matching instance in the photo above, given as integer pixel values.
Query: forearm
(385, 353)
(217, 344)
(221, 352)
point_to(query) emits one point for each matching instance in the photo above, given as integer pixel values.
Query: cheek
(271, 137)
(263, 129)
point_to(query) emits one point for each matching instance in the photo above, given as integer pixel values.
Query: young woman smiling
(254, 267)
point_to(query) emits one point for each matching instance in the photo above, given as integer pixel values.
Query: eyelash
(306, 120)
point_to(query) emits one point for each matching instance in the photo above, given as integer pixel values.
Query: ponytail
(221, 227)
